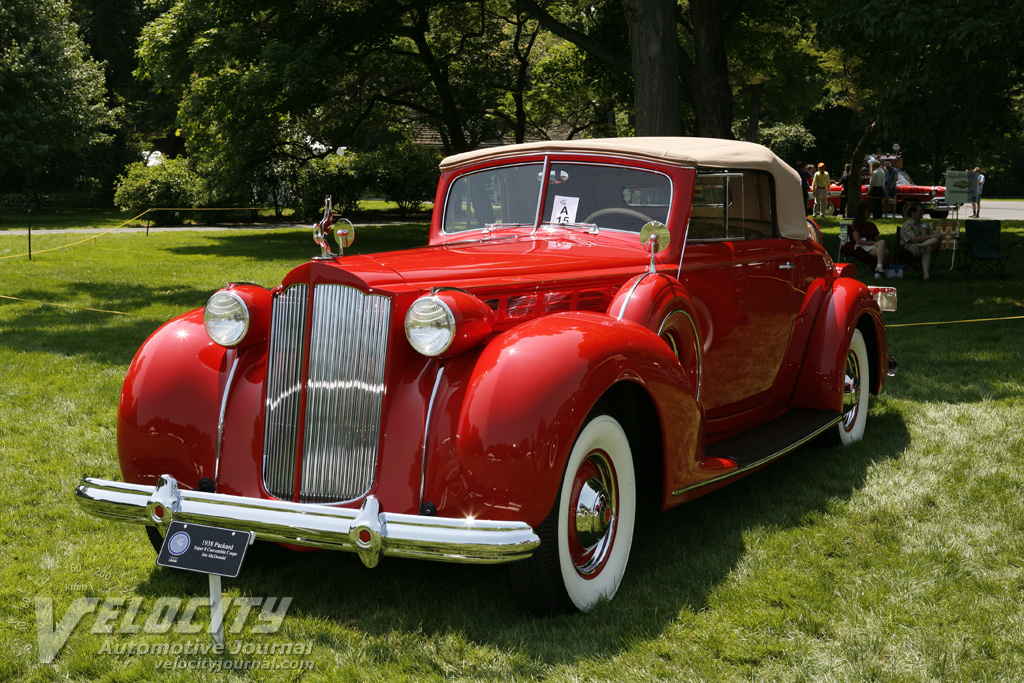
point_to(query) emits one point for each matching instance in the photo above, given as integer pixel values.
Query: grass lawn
(900, 558)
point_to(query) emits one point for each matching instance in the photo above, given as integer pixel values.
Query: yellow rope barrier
(79, 308)
(130, 220)
(957, 322)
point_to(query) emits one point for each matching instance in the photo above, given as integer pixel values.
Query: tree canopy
(52, 97)
(253, 90)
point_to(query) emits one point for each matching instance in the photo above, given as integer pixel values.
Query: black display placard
(205, 549)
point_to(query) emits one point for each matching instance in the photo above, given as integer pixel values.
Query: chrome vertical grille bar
(344, 393)
(284, 391)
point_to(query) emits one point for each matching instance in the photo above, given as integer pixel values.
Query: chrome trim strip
(763, 461)
(426, 432)
(366, 531)
(220, 418)
(625, 302)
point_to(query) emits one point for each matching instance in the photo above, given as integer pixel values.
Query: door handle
(788, 265)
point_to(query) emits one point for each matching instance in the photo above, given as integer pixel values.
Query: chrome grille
(344, 393)
(284, 390)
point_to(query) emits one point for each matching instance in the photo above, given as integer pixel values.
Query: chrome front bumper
(366, 531)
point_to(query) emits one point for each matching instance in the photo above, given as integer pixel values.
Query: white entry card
(564, 209)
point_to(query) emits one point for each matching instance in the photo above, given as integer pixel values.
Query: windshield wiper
(590, 228)
(491, 227)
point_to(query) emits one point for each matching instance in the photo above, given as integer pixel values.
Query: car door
(748, 286)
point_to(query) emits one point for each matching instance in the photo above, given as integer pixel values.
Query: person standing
(891, 179)
(977, 181)
(918, 239)
(876, 189)
(822, 183)
(844, 181)
(805, 173)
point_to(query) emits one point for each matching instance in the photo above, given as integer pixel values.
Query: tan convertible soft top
(693, 152)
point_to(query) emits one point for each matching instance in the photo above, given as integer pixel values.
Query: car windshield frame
(619, 197)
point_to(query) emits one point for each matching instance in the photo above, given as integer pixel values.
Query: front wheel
(856, 382)
(586, 538)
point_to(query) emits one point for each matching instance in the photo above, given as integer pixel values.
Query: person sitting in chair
(918, 238)
(864, 235)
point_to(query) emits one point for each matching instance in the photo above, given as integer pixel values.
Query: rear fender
(528, 395)
(849, 306)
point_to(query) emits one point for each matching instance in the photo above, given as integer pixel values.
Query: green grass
(897, 559)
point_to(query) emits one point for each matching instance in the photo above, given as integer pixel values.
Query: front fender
(527, 396)
(849, 306)
(167, 417)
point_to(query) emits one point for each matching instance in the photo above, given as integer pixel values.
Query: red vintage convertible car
(596, 326)
(931, 197)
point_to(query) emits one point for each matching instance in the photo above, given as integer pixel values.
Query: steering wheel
(614, 209)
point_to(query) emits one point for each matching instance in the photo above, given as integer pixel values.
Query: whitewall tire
(856, 385)
(586, 539)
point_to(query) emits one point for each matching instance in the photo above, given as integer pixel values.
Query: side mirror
(655, 238)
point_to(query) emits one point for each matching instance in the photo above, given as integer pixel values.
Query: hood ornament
(322, 231)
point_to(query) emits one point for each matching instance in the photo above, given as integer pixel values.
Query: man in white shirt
(876, 189)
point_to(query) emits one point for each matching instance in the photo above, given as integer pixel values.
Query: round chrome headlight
(430, 326)
(226, 318)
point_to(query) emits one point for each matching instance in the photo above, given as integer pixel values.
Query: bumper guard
(366, 531)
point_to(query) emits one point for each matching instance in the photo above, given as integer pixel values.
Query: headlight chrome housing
(226, 318)
(430, 326)
(447, 322)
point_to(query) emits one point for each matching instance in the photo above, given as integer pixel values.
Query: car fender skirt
(367, 530)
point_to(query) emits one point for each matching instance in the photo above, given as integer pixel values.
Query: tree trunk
(754, 122)
(655, 56)
(856, 164)
(707, 79)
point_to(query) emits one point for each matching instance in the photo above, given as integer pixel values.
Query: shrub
(171, 183)
(330, 175)
(406, 174)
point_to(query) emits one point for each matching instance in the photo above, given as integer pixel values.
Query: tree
(52, 108)
(675, 48)
(940, 75)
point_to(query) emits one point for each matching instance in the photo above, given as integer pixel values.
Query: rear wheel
(856, 382)
(586, 538)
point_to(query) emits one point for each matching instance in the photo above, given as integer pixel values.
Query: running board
(763, 444)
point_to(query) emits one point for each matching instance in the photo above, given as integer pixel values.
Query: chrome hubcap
(592, 514)
(851, 390)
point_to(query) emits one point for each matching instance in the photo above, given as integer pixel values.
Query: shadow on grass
(100, 336)
(677, 562)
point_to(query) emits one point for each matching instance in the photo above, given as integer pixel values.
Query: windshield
(610, 197)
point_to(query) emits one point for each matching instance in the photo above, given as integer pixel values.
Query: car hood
(493, 262)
